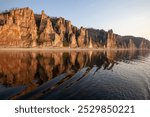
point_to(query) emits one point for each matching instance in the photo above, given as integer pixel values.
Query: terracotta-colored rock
(23, 28)
(68, 27)
(48, 34)
(111, 40)
(73, 41)
(86, 38)
(43, 21)
(90, 43)
(19, 29)
(58, 41)
(81, 37)
(61, 26)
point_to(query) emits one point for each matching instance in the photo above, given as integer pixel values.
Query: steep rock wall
(18, 28)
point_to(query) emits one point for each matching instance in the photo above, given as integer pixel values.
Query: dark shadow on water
(64, 75)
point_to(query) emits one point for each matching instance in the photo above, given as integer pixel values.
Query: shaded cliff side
(23, 28)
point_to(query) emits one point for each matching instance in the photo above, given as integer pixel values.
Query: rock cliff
(18, 28)
(131, 42)
(46, 32)
(111, 39)
(23, 28)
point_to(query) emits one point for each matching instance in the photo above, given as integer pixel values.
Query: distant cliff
(23, 28)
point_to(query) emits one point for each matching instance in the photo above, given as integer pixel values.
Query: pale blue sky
(125, 17)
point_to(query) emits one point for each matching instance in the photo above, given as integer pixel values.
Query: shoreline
(67, 49)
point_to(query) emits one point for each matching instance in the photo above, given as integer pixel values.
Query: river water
(78, 75)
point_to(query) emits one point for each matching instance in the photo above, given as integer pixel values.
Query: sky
(125, 17)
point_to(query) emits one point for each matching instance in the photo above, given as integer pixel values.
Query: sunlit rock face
(111, 39)
(22, 28)
(18, 28)
(68, 27)
(90, 43)
(73, 42)
(60, 32)
(56, 32)
(82, 37)
(48, 36)
(46, 31)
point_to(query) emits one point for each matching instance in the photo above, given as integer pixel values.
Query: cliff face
(111, 39)
(55, 32)
(18, 28)
(98, 38)
(131, 42)
(83, 37)
(23, 28)
(45, 31)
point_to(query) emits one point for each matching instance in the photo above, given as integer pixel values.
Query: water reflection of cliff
(32, 69)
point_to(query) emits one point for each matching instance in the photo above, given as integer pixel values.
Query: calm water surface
(75, 75)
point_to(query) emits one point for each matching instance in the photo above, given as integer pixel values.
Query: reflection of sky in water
(75, 75)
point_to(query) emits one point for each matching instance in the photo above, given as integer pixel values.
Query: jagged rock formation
(90, 43)
(99, 38)
(23, 28)
(73, 42)
(111, 39)
(46, 31)
(81, 37)
(143, 44)
(18, 28)
(103, 39)
(131, 42)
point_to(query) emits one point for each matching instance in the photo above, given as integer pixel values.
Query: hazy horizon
(124, 17)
